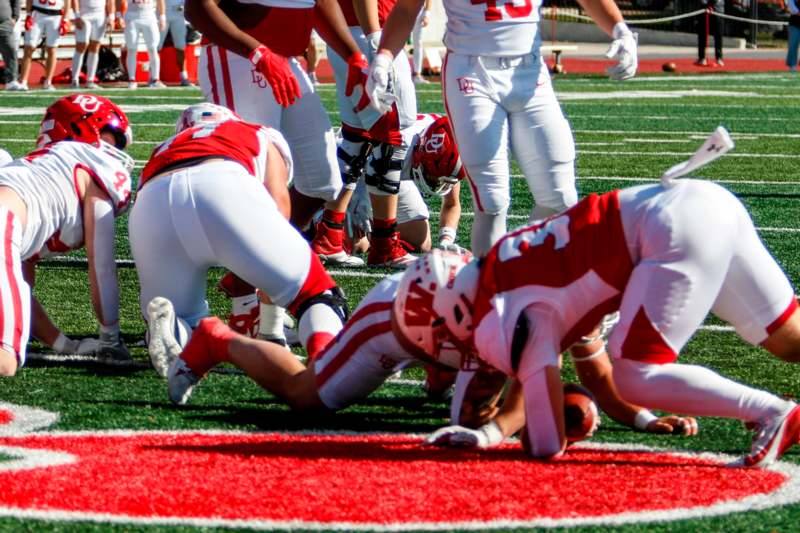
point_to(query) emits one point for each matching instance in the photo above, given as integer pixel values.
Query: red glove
(275, 68)
(28, 23)
(63, 26)
(357, 70)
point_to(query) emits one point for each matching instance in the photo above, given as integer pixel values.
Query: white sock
(693, 390)
(91, 66)
(155, 64)
(271, 321)
(130, 63)
(77, 65)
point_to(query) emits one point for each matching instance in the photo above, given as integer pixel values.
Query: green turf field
(625, 133)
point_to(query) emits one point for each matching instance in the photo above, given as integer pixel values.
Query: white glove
(65, 345)
(449, 246)
(359, 212)
(373, 42)
(486, 436)
(379, 81)
(624, 48)
(111, 346)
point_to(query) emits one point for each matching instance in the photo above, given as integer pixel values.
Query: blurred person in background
(44, 19)
(709, 24)
(423, 19)
(794, 35)
(9, 14)
(176, 27)
(90, 18)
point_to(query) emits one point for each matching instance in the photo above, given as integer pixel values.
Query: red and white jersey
(92, 7)
(46, 181)
(384, 8)
(367, 351)
(492, 28)
(576, 265)
(285, 28)
(49, 4)
(140, 9)
(234, 140)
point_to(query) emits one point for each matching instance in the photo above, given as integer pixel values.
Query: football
(581, 416)
(558, 68)
(669, 67)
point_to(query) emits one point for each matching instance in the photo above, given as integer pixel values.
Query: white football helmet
(413, 311)
(455, 300)
(203, 112)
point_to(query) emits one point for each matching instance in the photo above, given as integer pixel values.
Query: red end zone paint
(357, 480)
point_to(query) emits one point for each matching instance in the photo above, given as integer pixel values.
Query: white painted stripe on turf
(787, 493)
(29, 459)
(687, 154)
(703, 134)
(26, 419)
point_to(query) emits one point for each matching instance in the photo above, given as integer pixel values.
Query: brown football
(581, 416)
(669, 67)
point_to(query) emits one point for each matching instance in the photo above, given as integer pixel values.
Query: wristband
(643, 419)
(447, 234)
(594, 355)
(257, 53)
(426, 14)
(494, 435)
(620, 29)
(76, 15)
(162, 17)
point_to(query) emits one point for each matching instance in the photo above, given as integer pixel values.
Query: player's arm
(608, 17)
(276, 181)
(449, 216)
(212, 22)
(161, 11)
(398, 26)
(331, 26)
(594, 370)
(367, 15)
(98, 224)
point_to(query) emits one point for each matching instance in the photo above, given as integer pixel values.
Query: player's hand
(623, 47)
(359, 214)
(78, 23)
(677, 425)
(426, 17)
(63, 26)
(379, 83)
(486, 436)
(110, 20)
(450, 246)
(276, 70)
(28, 23)
(65, 345)
(373, 43)
(120, 23)
(112, 347)
(357, 69)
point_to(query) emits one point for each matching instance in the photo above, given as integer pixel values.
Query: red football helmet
(435, 161)
(83, 117)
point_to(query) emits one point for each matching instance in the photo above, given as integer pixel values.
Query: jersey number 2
(494, 13)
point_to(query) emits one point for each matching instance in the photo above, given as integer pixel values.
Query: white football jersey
(91, 7)
(492, 28)
(45, 179)
(138, 9)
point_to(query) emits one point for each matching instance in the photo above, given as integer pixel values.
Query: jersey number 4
(494, 13)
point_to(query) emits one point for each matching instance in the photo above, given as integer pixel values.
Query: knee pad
(333, 298)
(383, 171)
(353, 153)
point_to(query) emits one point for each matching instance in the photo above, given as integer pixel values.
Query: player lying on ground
(647, 252)
(216, 194)
(500, 100)
(390, 329)
(65, 193)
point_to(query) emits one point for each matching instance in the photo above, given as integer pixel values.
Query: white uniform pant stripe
(14, 291)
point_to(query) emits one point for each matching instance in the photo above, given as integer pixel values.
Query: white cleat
(155, 84)
(162, 346)
(341, 259)
(92, 85)
(180, 381)
(774, 437)
(133, 85)
(74, 84)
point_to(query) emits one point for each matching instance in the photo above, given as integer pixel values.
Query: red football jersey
(577, 262)
(384, 8)
(234, 140)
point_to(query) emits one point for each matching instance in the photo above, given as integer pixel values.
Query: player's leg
(177, 27)
(151, 35)
(15, 298)
(50, 27)
(542, 142)
(416, 42)
(131, 34)
(412, 217)
(81, 40)
(480, 126)
(92, 58)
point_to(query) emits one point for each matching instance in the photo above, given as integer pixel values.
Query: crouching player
(65, 193)
(646, 252)
(215, 194)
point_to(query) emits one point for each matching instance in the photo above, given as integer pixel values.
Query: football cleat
(328, 244)
(162, 345)
(180, 381)
(247, 323)
(774, 437)
(389, 252)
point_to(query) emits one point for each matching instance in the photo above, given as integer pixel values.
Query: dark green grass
(89, 396)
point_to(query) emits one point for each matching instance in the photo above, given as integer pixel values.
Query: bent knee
(8, 364)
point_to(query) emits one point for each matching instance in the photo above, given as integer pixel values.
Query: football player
(91, 19)
(149, 19)
(216, 194)
(499, 98)
(365, 129)
(644, 251)
(60, 197)
(393, 326)
(48, 19)
(248, 65)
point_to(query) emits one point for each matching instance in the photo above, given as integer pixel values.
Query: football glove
(28, 23)
(449, 246)
(623, 47)
(357, 68)
(486, 436)
(373, 42)
(111, 347)
(359, 213)
(65, 345)
(378, 83)
(276, 70)
(63, 26)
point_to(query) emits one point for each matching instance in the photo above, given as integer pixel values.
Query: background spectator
(794, 35)
(416, 41)
(44, 18)
(9, 14)
(176, 27)
(710, 24)
(91, 19)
